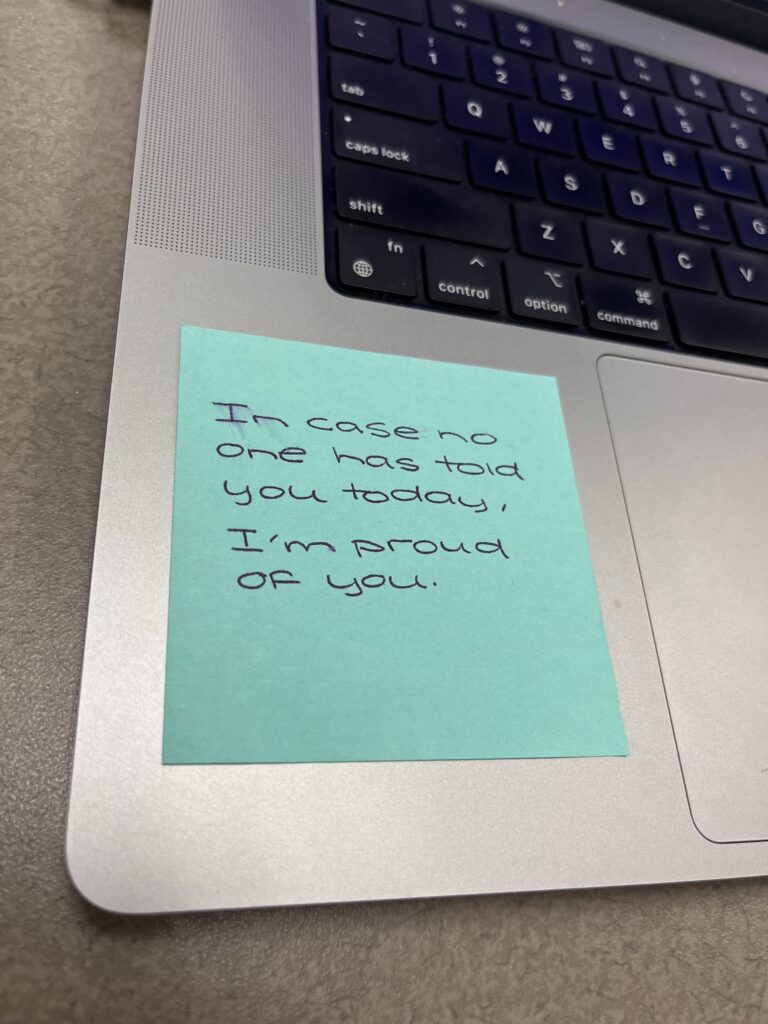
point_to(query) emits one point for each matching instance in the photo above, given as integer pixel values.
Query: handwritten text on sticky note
(376, 558)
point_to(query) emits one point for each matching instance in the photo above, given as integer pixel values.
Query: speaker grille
(227, 162)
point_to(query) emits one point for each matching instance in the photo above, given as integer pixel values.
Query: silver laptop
(568, 188)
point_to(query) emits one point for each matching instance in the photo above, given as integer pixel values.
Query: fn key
(377, 261)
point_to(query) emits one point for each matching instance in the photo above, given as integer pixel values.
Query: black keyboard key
(569, 184)
(762, 178)
(568, 89)
(384, 87)
(401, 145)
(406, 10)
(502, 168)
(626, 105)
(406, 203)
(518, 32)
(745, 275)
(684, 121)
(580, 51)
(473, 110)
(361, 33)
(462, 17)
(639, 201)
(696, 86)
(622, 307)
(432, 52)
(671, 162)
(700, 215)
(751, 226)
(542, 292)
(686, 263)
(462, 277)
(640, 69)
(544, 129)
(746, 102)
(737, 136)
(502, 71)
(604, 144)
(727, 176)
(377, 261)
(717, 325)
(549, 234)
(619, 249)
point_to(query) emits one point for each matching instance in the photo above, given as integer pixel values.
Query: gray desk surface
(70, 72)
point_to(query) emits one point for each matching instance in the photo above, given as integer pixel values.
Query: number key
(626, 105)
(432, 52)
(566, 88)
(498, 70)
(738, 136)
(682, 121)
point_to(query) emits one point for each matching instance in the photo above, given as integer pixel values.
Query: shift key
(390, 142)
(384, 87)
(427, 207)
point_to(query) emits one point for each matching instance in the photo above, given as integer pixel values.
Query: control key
(463, 277)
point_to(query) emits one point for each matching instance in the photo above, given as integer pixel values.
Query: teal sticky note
(376, 558)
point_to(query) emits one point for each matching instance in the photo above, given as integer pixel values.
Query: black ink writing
(271, 492)
(373, 581)
(295, 472)
(376, 429)
(258, 418)
(229, 450)
(276, 578)
(480, 469)
(245, 536)
(405, 494)
(472, 439)
(289, 545)
(246, 493)
(231, 406)
(426, 546)
(377, 461)
(247, 533)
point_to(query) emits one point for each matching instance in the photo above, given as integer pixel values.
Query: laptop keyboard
(484, 163)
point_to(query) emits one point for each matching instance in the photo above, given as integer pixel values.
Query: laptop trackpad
(692, 450)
